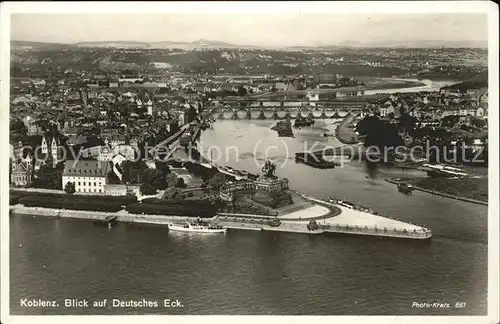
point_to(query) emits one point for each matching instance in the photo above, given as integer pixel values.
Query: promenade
(330, 218)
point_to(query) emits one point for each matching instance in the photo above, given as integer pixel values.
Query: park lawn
(473, 188)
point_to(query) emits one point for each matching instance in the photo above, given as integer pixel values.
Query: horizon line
(397, 43)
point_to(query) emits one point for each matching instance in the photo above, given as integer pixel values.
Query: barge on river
(405, 188)
(314, 160)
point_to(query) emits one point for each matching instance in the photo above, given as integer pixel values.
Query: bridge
(282, 112)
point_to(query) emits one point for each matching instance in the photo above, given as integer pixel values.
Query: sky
(285, 29)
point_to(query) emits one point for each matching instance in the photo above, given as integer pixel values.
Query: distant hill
(118, 44)
(37, 45)
(113, 42)
(201, 43)
(418, 44)
(204, 43)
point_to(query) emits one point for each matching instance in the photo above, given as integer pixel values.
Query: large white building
(87, 175)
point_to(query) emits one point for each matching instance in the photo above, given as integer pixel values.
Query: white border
(261, 8)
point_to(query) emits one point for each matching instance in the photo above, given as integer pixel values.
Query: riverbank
(392, 83)
(472, 190)
(332, 219)
(344, 133)
(370, 84)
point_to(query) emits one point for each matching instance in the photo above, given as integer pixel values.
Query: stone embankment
(328, 217)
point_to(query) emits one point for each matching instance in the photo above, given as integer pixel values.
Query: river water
(263, 273)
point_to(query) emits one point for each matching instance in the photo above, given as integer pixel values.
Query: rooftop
(89, 168)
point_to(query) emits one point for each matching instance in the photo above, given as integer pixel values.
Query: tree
(112, 178)
(171, 193)
(172, 180)
(191, 114)
(147, 189)
(181, 183)
(49, 177)
(70, 188)
(449, 121)
(217, 180)
(242, 91)
(126, 175)
(477, 122)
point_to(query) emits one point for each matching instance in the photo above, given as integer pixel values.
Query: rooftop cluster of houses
(433, 106)
(53, 122)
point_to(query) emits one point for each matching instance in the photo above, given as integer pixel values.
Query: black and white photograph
(315, 160)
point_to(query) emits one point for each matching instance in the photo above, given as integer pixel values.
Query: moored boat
(198, 228)
(107, 221)
(405, 188)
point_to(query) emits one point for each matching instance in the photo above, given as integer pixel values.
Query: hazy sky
(249, 29)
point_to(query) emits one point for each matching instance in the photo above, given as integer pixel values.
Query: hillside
(479, 81)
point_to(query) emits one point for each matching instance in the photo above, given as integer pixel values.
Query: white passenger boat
(198, 228)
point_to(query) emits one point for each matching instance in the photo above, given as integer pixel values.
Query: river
(263, 273)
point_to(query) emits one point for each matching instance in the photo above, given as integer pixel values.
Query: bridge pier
(261, 115)
(249, 114)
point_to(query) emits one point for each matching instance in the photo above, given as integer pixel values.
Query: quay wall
(239, 224)
(91, 215)
(376, 232)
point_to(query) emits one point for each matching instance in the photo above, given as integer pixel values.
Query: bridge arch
(305, 111)
(293, 112)
(281, 114)
(268, 113)
(317, 113)
(329, 112)
(228, 113)
(255, 113)
(241, 113)
(215, 113)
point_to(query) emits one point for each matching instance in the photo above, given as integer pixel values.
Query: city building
(87, 175)
(280, 86)
(122, 189)
(182, 173)
(31, 126)
(106, 154)
(21, 174)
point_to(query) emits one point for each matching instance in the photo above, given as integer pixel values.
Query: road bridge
(282, 112)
